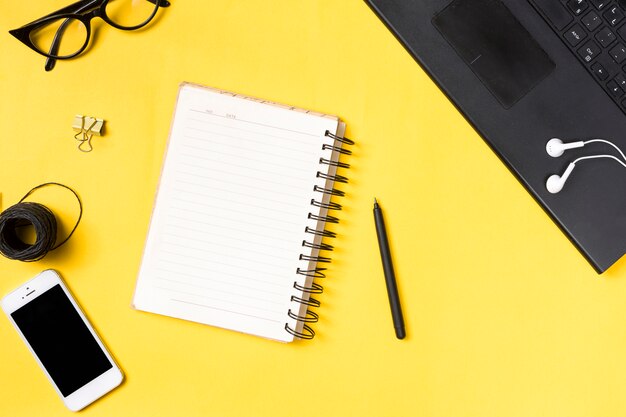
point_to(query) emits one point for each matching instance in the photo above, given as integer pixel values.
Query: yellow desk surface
(504, 317)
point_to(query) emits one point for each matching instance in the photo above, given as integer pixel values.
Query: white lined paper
(228, 224)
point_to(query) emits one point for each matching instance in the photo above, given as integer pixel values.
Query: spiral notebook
(237, 237)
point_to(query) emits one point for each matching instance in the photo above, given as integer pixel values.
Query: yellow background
(504, 317)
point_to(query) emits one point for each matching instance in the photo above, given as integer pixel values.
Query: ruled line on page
(221, 244)
(262, 288)
(254, 123)
(223, 309)
(290, 139)
(238, 166)
(226, 215)
(232, 210)
(204, 297)
(238, 203)
(213, 261)
(270, 241)
(222, 255)
(226, 182)
(226, 190)
(214, 290)
(236, 271)
(196, 221)
(214, 271)
(243, 231)
(217, 135)
(215, 171)
(239, 157)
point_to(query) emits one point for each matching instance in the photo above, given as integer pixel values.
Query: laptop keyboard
(595, 31)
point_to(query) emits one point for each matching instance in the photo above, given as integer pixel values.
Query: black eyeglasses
(65, 33)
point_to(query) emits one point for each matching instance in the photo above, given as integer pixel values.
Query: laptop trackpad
(494, 44)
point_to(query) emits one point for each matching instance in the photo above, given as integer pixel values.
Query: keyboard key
(589, 51)
(575, 35)
(599, 71)
(595, 30)
(618, 53)
(614, 15)
(555, 12)
(614, 89)
(600, 4)
(605, 37)
(620, 79)
(622, 32)
(591, 20)
(577, 6)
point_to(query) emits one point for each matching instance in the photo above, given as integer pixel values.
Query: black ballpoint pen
(390, 277)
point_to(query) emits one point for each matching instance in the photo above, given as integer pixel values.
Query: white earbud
(555, 147)
(555, 182)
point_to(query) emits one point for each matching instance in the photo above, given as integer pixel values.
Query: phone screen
(61, 340)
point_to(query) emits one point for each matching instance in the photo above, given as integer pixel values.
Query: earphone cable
(608, 143)
(600, 156)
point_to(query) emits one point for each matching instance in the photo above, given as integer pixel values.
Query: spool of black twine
(43, 221)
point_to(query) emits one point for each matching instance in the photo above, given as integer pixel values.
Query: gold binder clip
(87, 126)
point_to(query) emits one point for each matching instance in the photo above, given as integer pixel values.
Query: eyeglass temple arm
(79, 5)
(54, 46)
(72, 8)
(77, 8)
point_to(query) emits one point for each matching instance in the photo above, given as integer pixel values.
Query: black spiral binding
(309, 317)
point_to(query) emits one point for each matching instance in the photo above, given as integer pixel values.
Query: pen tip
(375, 202)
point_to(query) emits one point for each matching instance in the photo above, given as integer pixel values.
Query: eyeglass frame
(83, 11)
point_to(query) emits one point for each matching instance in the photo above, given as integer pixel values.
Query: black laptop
(523, 72)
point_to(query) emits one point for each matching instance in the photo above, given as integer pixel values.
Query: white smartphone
(63, 342)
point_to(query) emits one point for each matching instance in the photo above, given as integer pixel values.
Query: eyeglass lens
(130, 13)
(71, 34)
